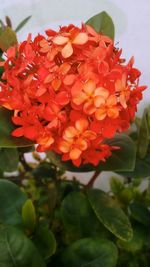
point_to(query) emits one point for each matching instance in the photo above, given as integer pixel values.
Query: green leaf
(29, 215)
(143, 136)
(102, 23)
(9, 159)
(110, 214)
(140, 213)
(6, 127)
(121, 160)
(136, 243)
(22, 23)
(11, 201)
(45, 241)
(78, 216)
(90, 252)
(17, 250)
(116, 185)
(7, 38)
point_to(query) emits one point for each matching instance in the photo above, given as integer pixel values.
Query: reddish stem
(93, 178)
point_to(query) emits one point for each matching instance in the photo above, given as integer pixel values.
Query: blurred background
(131, 19)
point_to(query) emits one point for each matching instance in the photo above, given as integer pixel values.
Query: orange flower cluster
(70, 91)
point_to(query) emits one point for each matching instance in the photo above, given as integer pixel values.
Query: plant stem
(93, 178)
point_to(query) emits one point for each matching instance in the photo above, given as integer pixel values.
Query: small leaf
(9, 159)
(7, 38)
(45, 241)
(17, 250)
(116, 185)
(29, 215)
(143, 136)
(6, 127)
(102, 23)
(11, 201)
(22, 23)
(110, 214)
(90, 252)
(140, 213)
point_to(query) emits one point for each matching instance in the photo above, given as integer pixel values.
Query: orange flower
(68, 40)
(76, 138)
(108, 108)
(122, 90)
(88, 95)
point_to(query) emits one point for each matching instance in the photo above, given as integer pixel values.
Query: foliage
(47, 220)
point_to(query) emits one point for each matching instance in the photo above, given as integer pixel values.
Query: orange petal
(56, 84)
(75, 153)
(80, 38)
(112, 100)
(113, 113)
(98, 101)
(80, 99)
(118, 85)
(81, 144)
(60, 40)
(69, 79)
(89, 107)
(81, 125)
(64, 68)
(100, 114)
(89, 87)
(64, 146)
(70, 132)
(89, 135)
(101, 91)
(67, 51)
(122, 99)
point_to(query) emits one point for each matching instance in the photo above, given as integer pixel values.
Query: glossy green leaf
(90, 252)
(9, 159)
(7, 38)
(140, 213)
(22, 23)
(16, 250)
(29, 215)
(121, 160)
(78, 216)
(45, 241)
(6, 127)
(110, 214)
(11, 201)
(102, 23)
(136, 243)
(143, 136)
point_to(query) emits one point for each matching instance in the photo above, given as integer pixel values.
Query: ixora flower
(70, 90)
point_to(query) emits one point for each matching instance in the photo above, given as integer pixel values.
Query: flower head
(70, 90)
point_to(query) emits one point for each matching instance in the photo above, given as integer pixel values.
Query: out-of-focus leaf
(143, 136)
(29, 215)
(7, 38)
(22, 23)
(9, 159)
(140, 213)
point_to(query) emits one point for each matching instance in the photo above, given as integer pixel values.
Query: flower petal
(60, 40)
(80, 39)
(75, 153)
(67, 51)
(100, 114)
(89, 87)
(81, 125)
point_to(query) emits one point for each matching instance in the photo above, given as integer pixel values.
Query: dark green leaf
(7, 38)
(90, 252)
(140, 213)
(9, 159)
(78, 216)
(29, 215)
(45, 241)
(143, 136)
(136, 243)
(110, 214)
(121, 160)
(11, 201)
(116, 185)
(16, 250)
(102, 23)
(6, 127)
(22, 23)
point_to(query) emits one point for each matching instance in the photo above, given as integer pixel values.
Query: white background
(131, 19)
